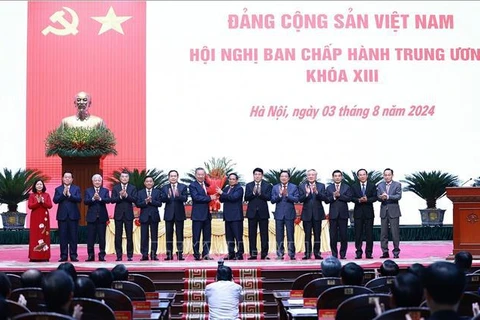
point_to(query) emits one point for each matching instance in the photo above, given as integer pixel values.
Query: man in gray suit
(389, 193)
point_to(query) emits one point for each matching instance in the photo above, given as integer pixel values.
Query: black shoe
(180, 257)
(89, 259)
(168, 258)
(227, 257)
(62, 260)
(154, 258)
(253, 258)
(101, 259)
(293, 258)
(74, 259)
(395, 256)
(239, 257)
(358, 257)
(279, 258)
(369, 257)
(207, 257)
(129, 259)
(318, 257)
(306, 258)
(120, 259)
(384, 256)
(343, 258)
(265, 258)
(197, 258)
(144, 258)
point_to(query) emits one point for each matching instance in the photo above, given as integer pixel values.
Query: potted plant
(217, 170)
(373, 177)
(297, 176)
(14, 188)
(430, 186)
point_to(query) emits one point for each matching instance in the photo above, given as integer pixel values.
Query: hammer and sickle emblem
(68, 27)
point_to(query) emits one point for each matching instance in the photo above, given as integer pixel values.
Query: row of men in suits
(257, 193)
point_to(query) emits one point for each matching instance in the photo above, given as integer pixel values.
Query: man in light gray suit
(389, 193)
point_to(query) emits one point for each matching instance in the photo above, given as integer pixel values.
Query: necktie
(204, 188)
(148, 192)
(229, 189)
(258, 189)
(124, 187)
(363, 189)
(387, 187)
(173, 190)
(337, 187)
(96, 190)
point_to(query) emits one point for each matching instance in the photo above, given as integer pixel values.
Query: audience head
(389, 268)
(444, 284)
(352, 274)
(407, 291)
(58, 290)
(70, 269)
(120, 273)
(463, 260)
(224, 273)
(32, 278)
(84, 288)
(5, 286)
(417, 269)
(331, 267)
(102, 278)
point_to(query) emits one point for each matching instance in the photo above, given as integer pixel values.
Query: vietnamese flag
(98, 47)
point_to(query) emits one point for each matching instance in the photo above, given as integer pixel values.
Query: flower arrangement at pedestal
(80, 142)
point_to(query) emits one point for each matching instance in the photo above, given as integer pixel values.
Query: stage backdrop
(325, 85)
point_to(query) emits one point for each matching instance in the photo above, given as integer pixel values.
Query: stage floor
(15, 258)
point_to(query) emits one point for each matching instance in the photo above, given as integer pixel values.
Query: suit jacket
(258, 202)
(285, 206)
(446, 315)
(124, 206)
(200, 201)
(174, 206)
(149, 209)
(364, 210)
(232, 200)
(97, 208)
(312, 204)
(339, 206)
(67, 206)
(391, 204)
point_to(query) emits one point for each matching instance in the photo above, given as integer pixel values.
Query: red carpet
(15, 257)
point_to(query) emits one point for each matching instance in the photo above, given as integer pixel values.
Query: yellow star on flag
(111, 21)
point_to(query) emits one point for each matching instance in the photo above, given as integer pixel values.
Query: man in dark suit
(174, 195)
(311, 194)
(124, 195)
(364, 194)
(284, 195)
(201, 217)
(96, 198)
(68, 196)
(338, 194)
(231, 197)
(149, 200)
(258, 193)
(389, 192)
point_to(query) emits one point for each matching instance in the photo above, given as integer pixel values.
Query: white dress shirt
(223, 299)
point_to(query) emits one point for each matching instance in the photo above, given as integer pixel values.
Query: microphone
(466, 182)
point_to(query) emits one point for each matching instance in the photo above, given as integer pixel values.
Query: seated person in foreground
(331, 267)
(32, 278)
(223, 296)
(389, 268)
(444, 284)
(352, 274)
(463, 260)
(58, 290)
(407, 291)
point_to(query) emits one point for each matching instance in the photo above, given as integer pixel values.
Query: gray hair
(331, 267)
(96, 175)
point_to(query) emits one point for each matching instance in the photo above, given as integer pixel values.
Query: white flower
(40, 241)
(41, 226)
(46, 219)
(45, 248)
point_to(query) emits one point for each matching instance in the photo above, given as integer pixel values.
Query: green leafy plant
(216, 168)
(15, 186)
(138, 176)
(430, 186)
(297, 176)
(80, 142)
(373, 177)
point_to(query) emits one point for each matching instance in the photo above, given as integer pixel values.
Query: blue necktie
(363, 189)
